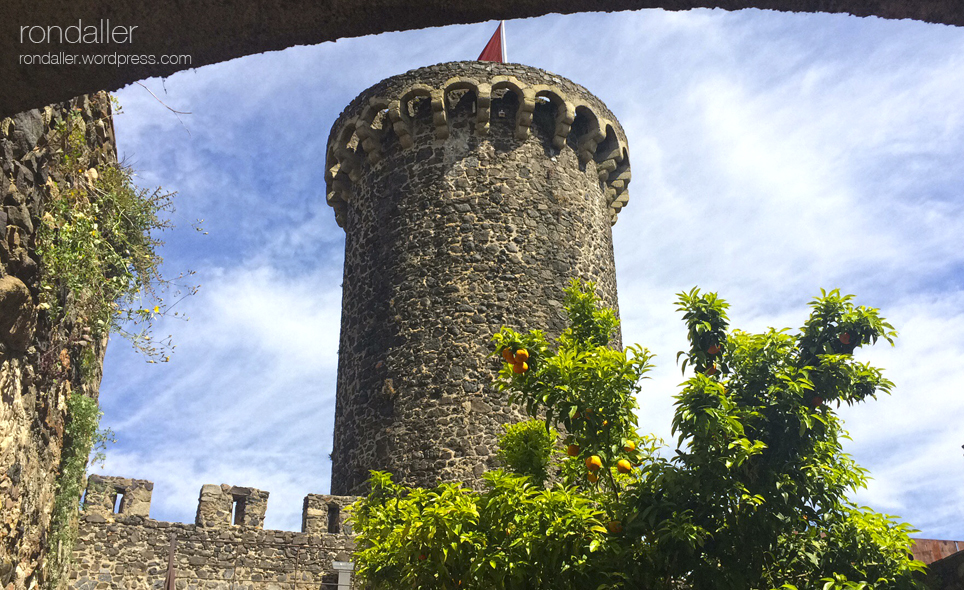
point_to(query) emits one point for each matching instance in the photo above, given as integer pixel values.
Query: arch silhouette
(210, 34)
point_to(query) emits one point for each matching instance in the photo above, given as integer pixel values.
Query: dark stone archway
(212, 31)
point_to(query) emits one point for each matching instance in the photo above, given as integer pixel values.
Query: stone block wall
(132, 552)
(37, 374)
(226, 505)
(102, 495)
(326, 514)
(470, 194)
(126, 550)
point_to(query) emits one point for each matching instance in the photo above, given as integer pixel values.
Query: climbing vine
(100, 274)
(81, 436)
(99, 247)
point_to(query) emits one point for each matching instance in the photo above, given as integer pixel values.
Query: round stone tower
(470, 193)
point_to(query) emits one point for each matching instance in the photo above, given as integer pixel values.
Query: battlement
(112, 499)
(107, 496)
(120, 547)
(488, 99)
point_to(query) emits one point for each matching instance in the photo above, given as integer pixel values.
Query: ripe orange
(713, 349)
(629, 446)
(615, 527)
(521, 355)
(572, 450)
(593, 477)
(817, 401)
(593, 463)
(520, 368)
(845, 338)
(507, 355)
(422, 556)
(711, 370)
(623, 466)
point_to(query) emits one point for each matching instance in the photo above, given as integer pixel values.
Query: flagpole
(502, 28)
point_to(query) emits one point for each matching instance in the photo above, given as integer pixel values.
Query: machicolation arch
(570, 116)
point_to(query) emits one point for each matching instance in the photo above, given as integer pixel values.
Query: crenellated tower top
(383, 118)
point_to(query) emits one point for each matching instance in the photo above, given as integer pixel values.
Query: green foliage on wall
(81, 436)
(100, 274)
(99, 248)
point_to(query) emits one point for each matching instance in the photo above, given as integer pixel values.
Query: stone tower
(470, 194)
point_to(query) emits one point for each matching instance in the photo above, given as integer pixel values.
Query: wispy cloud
(773, 155)
(247, 398)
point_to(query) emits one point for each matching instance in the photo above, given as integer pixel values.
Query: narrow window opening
(118, 501)
(607, 147)
(504, 105)
(420, 107)
(334, 519)
(461, 106)
(239, 502)
(544, 116)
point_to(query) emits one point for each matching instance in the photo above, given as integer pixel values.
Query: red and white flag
(495, 48)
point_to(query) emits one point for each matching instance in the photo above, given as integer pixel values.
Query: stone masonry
(120, 547)
(470, 194)
(103, 493)
(322, 513)
(225, 505)
(37, 374)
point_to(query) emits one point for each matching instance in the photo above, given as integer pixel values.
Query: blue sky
(773, 154)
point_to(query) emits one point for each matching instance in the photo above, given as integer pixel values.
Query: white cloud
(773, 154)
(247, 398)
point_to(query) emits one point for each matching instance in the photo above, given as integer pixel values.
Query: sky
(773, 155)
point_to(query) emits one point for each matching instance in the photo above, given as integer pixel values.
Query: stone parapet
(326, 514)
(133, 552)
(104, 491)
(226, 549)
(227, 505)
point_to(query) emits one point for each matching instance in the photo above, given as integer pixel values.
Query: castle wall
(103, 491)
(121, 547)
(947, 573)
(36, 373)
(470, 194)
(219, 505)
(132, 552)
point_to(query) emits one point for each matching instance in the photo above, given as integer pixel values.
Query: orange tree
(753, 496)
